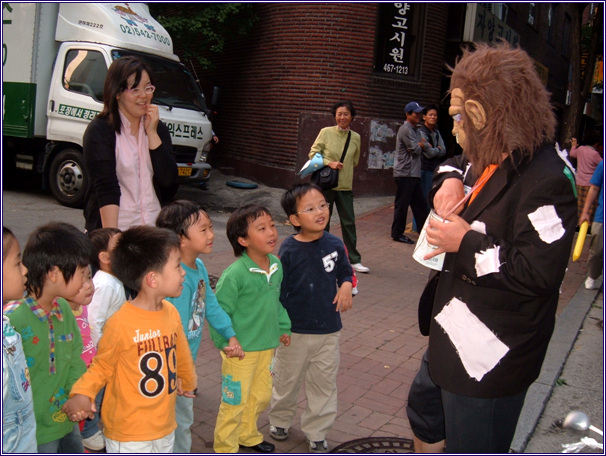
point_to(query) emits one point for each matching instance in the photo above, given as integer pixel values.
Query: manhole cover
(376, 445)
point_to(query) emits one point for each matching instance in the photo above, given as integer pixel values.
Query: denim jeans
(184, 413)
(426, 182)
(69, 443)
(18, 419)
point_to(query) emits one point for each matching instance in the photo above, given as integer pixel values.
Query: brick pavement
(381, 346)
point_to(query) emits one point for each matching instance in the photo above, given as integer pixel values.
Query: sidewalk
(381, 346)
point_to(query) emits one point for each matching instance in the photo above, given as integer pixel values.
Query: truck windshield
(175, 86)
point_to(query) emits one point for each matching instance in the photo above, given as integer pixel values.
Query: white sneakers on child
(359, 267)
(591, 284)
(278, 433)
(318, 447)
(94, 442)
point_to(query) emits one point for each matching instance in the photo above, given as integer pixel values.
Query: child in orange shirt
(143, 356)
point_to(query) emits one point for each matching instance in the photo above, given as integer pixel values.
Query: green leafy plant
(200, 30)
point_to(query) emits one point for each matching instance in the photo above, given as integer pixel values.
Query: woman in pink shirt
(587, 159)
(129, 151)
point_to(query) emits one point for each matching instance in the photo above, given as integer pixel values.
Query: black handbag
(327, 178)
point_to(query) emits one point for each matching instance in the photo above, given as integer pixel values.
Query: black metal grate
(185, 154)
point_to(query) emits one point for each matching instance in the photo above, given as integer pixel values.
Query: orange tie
(487, 174)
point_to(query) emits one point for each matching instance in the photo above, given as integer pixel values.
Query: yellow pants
(245, 393)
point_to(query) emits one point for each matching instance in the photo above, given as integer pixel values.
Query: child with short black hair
(143, 356)
(57, 256)
(109, 290)
(193, 226)
(249, 291)
(18, 419)
(316, 288)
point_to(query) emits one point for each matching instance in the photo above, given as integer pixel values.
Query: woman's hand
(335, 165)
(151, 119)
(150, 122)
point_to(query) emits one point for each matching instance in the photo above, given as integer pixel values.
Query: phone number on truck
(139, 32)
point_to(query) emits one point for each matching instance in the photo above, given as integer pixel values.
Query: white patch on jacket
(448, 169)
(547, 224)
(487, 261)
(478, 226)
(479, 349)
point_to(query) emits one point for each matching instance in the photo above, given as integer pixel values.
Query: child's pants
(163, 445)
(184, 414)
(315, 358)
(246, 391)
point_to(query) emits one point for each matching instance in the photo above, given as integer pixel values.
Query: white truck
(54, 60)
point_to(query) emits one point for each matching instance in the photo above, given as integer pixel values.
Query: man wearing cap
(407, 174)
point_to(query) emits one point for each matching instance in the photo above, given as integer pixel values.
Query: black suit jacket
(515, 298)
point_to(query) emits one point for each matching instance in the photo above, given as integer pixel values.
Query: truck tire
(68, 179)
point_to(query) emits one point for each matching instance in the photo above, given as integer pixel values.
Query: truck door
(75, 98)
(76, 91)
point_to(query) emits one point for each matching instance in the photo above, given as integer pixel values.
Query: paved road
(381, 346)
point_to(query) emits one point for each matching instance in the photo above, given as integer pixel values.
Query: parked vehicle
(55, 58)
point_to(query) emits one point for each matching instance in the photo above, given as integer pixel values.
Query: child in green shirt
(249, 292)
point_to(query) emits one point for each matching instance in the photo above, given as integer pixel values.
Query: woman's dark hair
(238, 223)
(142, 249)
(99, 238)
(346, 104)
(7, 241)
(179, 216)
(54, 244)
(116, 82)
(291, 198)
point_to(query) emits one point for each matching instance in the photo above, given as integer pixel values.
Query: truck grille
(185, 154)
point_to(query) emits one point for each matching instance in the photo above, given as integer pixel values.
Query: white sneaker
(591, 284)
(359, 267)
(318, 447)
(94, 442)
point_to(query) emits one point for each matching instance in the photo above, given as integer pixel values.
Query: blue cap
(414, 107)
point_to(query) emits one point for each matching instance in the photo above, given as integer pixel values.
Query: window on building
(566, 36)
(532, 11)
(498, 9)
(399, 41)
(551, 22)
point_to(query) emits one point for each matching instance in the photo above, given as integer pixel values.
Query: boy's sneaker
(318, 447)
(590, 284)
(95, 442)
(278, 433)
(359, 267)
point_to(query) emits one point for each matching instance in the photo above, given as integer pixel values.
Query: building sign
(399, 39)
(483, 26)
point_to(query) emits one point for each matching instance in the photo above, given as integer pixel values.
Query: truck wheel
(68, 179)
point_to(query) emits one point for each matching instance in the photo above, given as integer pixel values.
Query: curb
(565, 333)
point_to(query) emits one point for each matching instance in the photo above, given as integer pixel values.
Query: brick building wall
(279, 83)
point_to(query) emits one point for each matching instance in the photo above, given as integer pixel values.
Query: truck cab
(88, 37)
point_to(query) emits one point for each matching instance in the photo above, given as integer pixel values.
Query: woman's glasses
(138, 91)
